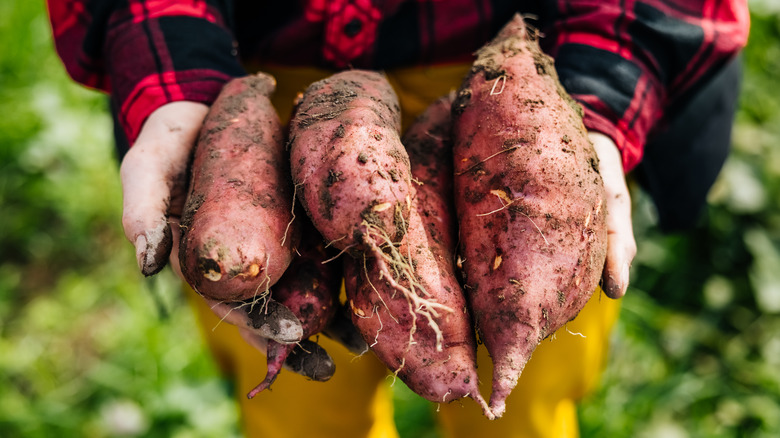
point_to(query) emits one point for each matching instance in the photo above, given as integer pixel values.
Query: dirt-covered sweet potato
(350, 170)
(529, 199)
(407, 302)
(307, 358)
(237, 230)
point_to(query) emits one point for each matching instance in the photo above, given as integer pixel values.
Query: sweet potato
(345, 333)
(310, 289)
(413, 314)
(237, 236)
(307, 358)
(529, 199)
(350, 170)
(310, 360)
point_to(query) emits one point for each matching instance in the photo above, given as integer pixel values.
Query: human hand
(154, 185)
(621, 246)
(154, 188)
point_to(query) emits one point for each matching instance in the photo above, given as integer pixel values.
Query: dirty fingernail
(140, 251)
(612, 288)
(625, 276)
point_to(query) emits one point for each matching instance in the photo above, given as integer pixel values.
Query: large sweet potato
(529, 199)
(237, 236)
(413, 314)
(350, 170)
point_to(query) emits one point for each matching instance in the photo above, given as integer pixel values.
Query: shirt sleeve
(627, 62)
(146, 53)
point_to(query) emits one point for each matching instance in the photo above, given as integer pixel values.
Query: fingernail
(612, 287)
(625, 277)
(140, 251)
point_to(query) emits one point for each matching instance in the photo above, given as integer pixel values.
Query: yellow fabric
(357, 401)
(417, 87)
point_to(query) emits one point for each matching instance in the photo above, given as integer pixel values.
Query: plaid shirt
(626, 61)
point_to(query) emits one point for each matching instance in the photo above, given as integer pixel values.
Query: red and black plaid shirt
(625, 61)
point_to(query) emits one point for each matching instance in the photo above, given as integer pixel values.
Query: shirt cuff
(165, 59)
(154, 91)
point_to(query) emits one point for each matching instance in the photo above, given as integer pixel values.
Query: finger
(306, 358)
(269, 319)
(146, 196)
(152, 171)
(621, 246)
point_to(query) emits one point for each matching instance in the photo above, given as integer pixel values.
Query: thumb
(621, 246)
(153, 175)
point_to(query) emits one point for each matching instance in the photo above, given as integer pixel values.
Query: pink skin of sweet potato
(530, 202)
(310, 289)
(237, 237)
(438, 368)
(350, 170)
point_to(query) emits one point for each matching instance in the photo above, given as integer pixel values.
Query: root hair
(417, 297)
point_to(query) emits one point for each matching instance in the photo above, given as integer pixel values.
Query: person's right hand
(154, 188)
(154, 184)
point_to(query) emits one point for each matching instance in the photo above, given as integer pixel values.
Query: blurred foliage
(89, 348)
(84, 350)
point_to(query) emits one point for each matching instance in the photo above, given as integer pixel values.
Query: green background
(90, 348)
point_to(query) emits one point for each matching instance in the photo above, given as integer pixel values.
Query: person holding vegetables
(657, 81)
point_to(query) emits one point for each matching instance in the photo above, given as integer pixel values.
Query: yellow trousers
(357, 401)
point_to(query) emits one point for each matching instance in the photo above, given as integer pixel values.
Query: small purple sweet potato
(266, 318)
(310, 289)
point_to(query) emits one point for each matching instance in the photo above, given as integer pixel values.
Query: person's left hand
(621, 246)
